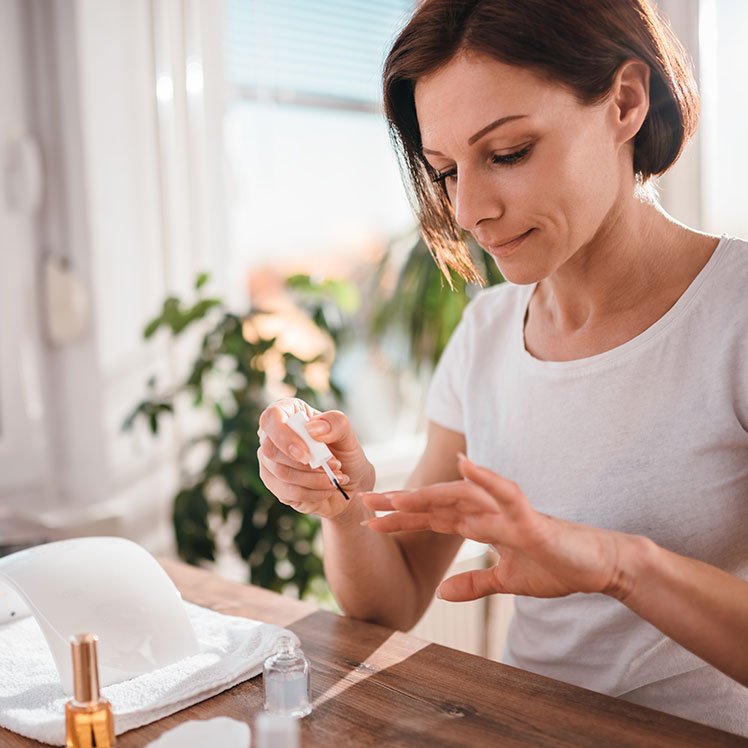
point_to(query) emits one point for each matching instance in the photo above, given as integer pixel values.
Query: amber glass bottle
(88, 717)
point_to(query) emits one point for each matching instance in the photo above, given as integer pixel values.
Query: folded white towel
(32, 702)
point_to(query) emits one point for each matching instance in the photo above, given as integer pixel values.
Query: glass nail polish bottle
(286, 679)
(88, 716)
(274, 731)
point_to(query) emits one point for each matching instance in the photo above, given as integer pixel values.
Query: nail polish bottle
(88, 716)
(274, 731)
(285, 676)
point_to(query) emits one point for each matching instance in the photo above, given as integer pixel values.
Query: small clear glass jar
(285, 676)
(274, 731)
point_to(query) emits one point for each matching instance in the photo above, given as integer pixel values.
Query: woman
(601, 395)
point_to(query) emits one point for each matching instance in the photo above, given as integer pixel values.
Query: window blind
(315, 52)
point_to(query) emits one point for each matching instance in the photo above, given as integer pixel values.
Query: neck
(636, 251)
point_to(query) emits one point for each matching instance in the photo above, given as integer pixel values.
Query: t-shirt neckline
(614, 355)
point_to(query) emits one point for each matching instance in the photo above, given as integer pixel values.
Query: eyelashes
(442, 177)
(512, 158)
(509, 159)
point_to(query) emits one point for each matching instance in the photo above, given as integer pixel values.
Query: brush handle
(318, 451)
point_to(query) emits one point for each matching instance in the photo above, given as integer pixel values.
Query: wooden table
(376, 687)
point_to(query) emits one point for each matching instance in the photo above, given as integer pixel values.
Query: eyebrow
(484, 131)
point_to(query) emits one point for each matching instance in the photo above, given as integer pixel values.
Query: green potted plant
(243, 363)
(422, 307)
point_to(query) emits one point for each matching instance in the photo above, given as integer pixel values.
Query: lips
(503, 247)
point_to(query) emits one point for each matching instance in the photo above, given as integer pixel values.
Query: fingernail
(364, 523)
(461, 456)
(439, 593)
(342, 478)
(317, 428)
(297, 453)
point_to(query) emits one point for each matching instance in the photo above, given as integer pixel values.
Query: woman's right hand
(283, 459)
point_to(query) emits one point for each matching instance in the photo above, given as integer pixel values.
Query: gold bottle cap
(85, 668)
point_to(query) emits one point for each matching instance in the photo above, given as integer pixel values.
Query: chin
(520, 274)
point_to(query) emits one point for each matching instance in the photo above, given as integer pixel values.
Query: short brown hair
(578, 43)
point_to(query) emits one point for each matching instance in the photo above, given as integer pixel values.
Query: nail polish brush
(319, 452)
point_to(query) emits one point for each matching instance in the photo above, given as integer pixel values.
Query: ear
(629, 98)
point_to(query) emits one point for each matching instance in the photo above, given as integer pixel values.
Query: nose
(476, 198)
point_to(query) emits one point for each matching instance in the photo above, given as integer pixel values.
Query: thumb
(470, 585)
(333, 427)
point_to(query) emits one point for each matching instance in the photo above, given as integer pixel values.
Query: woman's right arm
(388, 579)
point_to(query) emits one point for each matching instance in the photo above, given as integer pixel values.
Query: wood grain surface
(372, 686)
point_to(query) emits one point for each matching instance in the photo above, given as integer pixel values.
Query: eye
(445, 177)
(509, 159)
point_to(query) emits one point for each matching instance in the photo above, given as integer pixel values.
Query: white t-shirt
(649, 438)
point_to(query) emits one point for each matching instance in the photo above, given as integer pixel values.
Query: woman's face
(533, 174)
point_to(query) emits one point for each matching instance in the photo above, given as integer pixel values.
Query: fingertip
(372, 524)
(299, 454)
(464, 463)
(369, 501)
(443, 593)
(338, 426)
(318, 426)
(377, 501)
(499, 486)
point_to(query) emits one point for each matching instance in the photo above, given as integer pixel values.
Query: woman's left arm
(697, 605)
(701, 607)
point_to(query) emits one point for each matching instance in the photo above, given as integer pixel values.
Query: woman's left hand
(539, 555)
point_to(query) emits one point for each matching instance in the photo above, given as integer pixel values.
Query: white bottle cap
(275, 731)
(318, 451)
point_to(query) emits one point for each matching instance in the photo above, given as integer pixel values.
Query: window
(311, 171)
(724, 163)
(705, 188)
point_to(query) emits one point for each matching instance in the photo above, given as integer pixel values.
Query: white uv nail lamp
(12, 608)
(108, 586)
